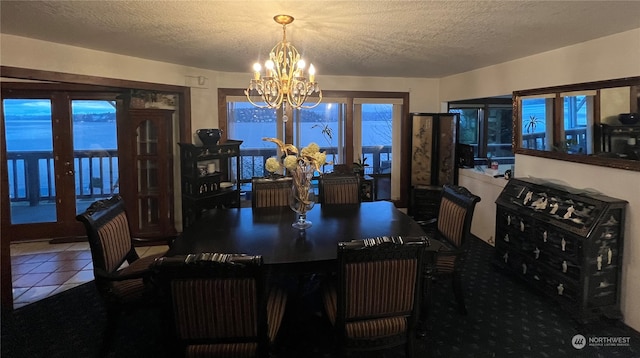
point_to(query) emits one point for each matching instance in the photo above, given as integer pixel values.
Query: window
(486, 125)
(347, 125)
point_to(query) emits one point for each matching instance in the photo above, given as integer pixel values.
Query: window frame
(351, 97)
(483, 106)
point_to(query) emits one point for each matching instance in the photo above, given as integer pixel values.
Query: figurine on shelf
(609, 256)
(560, 289)
(564, 266)
(554, 208)
(599, 262)
(540, 204)
(570, 211)
(536, 252)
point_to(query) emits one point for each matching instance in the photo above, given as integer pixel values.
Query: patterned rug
(506, 319)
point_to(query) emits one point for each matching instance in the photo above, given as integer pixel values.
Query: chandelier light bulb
(256, 71)
(312, 73)
(270, 66)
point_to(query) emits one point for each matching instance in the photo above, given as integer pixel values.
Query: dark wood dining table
(268, 232)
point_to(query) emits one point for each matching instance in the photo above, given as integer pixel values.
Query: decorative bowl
(209, 136)
(629, 118)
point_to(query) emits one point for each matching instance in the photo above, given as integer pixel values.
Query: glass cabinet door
(153, 163)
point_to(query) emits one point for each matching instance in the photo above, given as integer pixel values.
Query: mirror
(594, 123)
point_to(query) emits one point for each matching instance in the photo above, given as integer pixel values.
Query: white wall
(615, 56)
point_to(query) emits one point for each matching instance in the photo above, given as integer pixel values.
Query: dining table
(268, 232)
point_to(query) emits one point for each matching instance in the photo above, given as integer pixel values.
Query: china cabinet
(150, 169)
(565, 242)
(210, 176)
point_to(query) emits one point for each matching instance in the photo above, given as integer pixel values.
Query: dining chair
(122, 278)
(339, 189)
(451, 228)
(268, 193)
(219, 305)
(374, 303)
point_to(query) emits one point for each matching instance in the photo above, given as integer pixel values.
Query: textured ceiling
(360, 38)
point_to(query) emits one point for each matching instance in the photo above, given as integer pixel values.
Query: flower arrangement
(292, 159)
(300, 165)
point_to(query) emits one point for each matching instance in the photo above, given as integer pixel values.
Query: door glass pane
(377, 121)
(147, 138)
(28, 133)
(469, 127)
(149, 213)
(95, 151)
(499, 132)
(322, 125)
(250, 124)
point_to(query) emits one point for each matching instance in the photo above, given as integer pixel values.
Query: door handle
(69, 172)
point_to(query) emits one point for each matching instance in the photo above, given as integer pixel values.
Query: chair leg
(423, 317)
(458, 293)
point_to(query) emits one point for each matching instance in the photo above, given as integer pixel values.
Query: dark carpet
(506, 319)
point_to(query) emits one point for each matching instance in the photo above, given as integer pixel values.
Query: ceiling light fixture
(284, 78)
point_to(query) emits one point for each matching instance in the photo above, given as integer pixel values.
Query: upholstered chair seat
(375, 302)
(219, 305)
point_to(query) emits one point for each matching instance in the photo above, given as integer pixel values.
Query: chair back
(455, 214)
(378, 291)
(269, 193)
(217, 303)
(107, 227)
(339, 189)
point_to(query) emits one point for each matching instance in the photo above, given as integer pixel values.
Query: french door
(61, 155)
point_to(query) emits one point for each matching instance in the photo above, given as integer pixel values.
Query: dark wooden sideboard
(565, 242)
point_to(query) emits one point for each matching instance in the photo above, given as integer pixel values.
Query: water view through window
(29, 133)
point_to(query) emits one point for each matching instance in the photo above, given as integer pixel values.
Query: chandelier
(284, 78)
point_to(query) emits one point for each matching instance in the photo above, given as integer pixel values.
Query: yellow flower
(272, 165)
(290, 162)
(309, 155)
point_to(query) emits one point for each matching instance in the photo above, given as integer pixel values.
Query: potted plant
(358, 167)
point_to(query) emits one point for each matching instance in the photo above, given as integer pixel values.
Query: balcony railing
(32, 177)
(575, 141)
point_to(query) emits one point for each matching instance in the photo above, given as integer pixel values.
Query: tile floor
(41, 269)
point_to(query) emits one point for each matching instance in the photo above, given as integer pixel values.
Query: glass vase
(302, 196)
